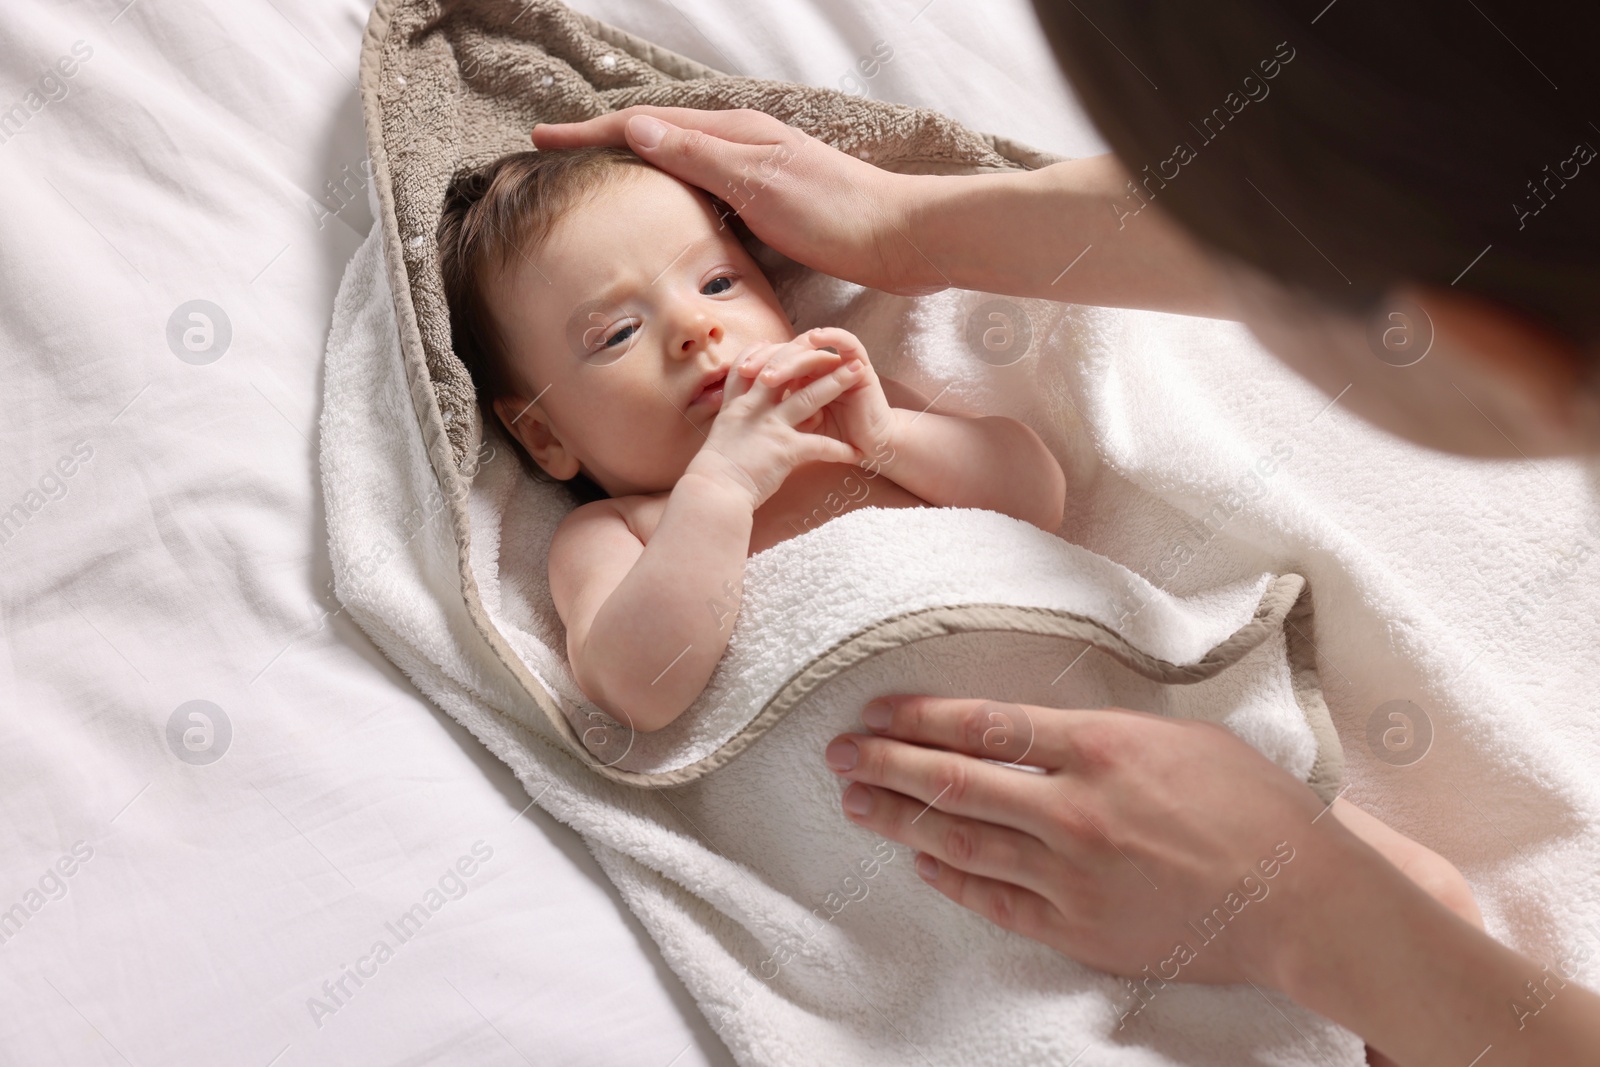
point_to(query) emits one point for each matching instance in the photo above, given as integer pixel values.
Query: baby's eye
(621, 335)
(720, 284)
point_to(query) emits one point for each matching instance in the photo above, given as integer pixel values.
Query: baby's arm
(989, 461)
(646, 624)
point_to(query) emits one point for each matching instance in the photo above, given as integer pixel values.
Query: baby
(678, 402)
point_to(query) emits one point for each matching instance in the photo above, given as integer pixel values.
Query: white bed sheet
(183, 559)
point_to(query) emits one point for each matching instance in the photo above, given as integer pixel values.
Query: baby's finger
(735, 384)
(791, 362)
(809, 399)
(848, 344)
(824, 449)
(752, 359)
(763, 391)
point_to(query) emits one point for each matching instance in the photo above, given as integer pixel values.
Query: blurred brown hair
(1400, 142)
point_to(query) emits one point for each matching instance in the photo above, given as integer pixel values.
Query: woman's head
(590, 296)
(1372, 161)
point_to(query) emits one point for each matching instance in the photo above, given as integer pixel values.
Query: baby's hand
(860, 417)
(760, 436)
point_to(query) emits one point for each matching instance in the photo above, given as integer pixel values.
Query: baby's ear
(529, 425)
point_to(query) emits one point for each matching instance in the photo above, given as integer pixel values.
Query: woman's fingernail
(857, 799)
(841, 755)
(876, 715)
(927, 868)
(646, 131)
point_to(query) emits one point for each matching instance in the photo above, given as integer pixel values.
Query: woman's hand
(760, 435)
(828, 210)
(1138, 831)
(1170, 850)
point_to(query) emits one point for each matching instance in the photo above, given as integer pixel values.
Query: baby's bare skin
(661, 301)
(811, 495)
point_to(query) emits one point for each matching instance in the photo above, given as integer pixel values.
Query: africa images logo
(50, 88)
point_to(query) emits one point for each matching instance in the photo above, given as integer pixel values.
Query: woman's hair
(492, 215)
(1346, 147)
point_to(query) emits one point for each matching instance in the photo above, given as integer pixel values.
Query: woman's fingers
(807, 200)
(1146, 821)
(977, 847)
(1003, 903)
(961, 785)
(741, 125)
(717, 150)
(1054, 738)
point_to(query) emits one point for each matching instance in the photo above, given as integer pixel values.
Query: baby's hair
(492, 215)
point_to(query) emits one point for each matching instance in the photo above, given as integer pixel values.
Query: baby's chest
(809, 497)
(817, 492)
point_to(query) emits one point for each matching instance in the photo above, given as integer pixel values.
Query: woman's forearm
(990, 462)
(1377, 954)
(1072, 231)
(656, 640)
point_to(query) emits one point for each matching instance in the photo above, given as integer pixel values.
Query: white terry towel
(803, 938)
(990, 605)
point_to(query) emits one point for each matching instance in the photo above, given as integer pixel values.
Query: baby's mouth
(711, 392)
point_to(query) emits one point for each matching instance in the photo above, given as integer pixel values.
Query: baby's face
(636, 297)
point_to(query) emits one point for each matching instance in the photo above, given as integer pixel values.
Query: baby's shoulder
(638, 515)
(595, 543)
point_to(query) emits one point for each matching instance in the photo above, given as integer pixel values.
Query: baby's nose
(701, 333)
